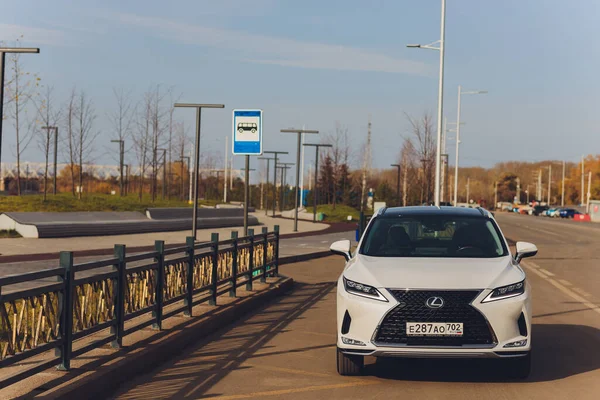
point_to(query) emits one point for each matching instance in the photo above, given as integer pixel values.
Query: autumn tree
(49, 117)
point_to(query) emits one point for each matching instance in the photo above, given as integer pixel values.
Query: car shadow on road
(559, 351)
(211, 360)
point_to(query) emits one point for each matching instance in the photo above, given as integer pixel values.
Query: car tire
(348, 364)
(519, 367)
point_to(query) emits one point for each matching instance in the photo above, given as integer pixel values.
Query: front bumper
(367, 315)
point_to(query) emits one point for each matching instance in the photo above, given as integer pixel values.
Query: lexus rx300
(433, 282)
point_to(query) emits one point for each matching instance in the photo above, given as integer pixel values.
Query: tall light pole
(285, 166)
(299, 132)
(198, 108)
(55, 128)
(3, 51)
(397, 182)
(440, 113)
(316, 146)
(268, 159)
(549, 183)
(460, 93)
(275, 154)
(121, 162)
(164, 186)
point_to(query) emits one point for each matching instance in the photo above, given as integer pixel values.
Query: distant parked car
(568, 213)
(554, 212)
(539, 210)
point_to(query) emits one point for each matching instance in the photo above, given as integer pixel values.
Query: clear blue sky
(315, 62)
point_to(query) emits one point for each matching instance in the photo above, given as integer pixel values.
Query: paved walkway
(40, 246)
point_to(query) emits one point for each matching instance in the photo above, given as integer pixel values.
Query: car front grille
(456, 308)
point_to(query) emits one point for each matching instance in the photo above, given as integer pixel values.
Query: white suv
(433, 282)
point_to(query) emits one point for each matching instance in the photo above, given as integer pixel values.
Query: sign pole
(246, 194)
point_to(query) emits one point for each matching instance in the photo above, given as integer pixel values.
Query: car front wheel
(348, 364)
(519, 367)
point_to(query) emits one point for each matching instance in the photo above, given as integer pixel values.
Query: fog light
(352, 342)
(518, 343)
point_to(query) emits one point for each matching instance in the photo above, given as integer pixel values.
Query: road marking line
(532, 264)
(565, 282)
(546, 272)
(298, 390)
(581, 292)
(563, 289)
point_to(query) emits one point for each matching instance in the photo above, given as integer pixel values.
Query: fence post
(189, 296)
(265, 231)
(66, 318)
(234, 264)
(251, 260)
(120, 294)
(214, 238)
(159, 246)
(276, 255)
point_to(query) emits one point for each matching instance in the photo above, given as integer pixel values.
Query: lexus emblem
(434, 302)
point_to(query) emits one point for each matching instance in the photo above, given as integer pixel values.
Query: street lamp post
(183, 158)
(164, 179)
(430, 46)
(198, 108)
(275, 154)
(397, 182)
(299, 132)
(316, 146)
(55, 128)
(268, 164)
(3, 51)
(121, 162)
(126, 179)
(285, 166)
(458, 123)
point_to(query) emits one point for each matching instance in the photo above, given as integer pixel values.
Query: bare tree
(339, 153)
(142, 139)
(85, 135)
(49, 116)
(22, 89)
(181, 140)
(423, 131)
(408, 159)
(157, 116)
(121, 120)
(70, 113)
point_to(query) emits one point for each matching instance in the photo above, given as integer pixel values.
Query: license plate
(434, 328)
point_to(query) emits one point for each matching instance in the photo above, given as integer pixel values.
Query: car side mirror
(341, 247)
(524, 250)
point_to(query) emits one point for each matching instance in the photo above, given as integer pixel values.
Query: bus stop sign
(247, 132)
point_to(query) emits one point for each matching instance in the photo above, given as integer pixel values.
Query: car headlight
(363, 290)
(505, 292)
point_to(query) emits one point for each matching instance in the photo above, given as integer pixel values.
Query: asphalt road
(287, 350)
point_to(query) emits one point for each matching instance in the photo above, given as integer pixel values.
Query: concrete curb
(303, 257)
(102, 383)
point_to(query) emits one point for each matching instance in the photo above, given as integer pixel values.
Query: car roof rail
(381, 211)
(482, 211)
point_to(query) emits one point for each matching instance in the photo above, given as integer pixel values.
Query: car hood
(433, 273)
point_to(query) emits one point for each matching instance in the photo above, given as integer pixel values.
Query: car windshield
(433, 236)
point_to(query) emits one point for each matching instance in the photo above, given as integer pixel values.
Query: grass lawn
(89, 202)
(340, 214)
